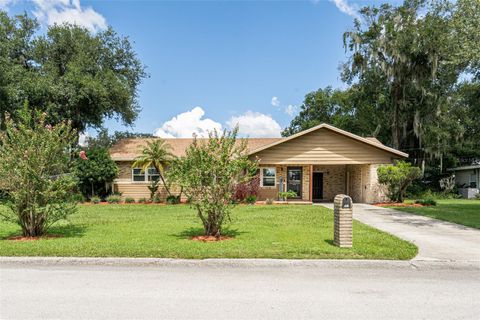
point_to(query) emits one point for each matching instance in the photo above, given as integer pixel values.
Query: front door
(317, 186)
(294, 180)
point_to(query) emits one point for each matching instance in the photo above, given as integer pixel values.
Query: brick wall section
(272, 192)
(355, 182)
(363, 184)
(375, 192)
(333, 180)
(306, 183)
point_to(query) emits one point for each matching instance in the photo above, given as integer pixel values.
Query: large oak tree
(68, 72)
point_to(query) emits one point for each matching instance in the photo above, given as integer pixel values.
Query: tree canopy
(413, 76)
(68, 72)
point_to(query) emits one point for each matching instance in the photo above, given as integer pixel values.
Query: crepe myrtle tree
(35, 161)
(209, 173)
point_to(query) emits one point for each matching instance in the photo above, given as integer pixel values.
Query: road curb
(238, 263)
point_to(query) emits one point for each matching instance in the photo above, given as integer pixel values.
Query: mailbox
(343, 221)
(346, 202)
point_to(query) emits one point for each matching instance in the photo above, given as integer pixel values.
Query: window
(150, 174)
(138, 175)
(153, 174)
(473, 181)
(268, 177)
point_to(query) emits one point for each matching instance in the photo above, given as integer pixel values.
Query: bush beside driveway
(294, 232)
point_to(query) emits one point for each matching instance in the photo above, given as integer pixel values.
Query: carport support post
(343, 219)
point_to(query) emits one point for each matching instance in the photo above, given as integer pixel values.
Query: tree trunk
(163, 180)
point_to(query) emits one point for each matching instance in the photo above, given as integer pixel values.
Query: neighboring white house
(467, 179)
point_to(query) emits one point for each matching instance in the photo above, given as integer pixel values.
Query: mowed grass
(466, 212)
(287, 231)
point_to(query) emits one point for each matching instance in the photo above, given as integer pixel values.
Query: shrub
(35, 162)
(142, 200)
(95, 200)
(397, 178)
(171, 199)
(156, 198)
(114, 199)
(129, 200)
(78, 197)
(246, 189)
(153, 188)
(285, 195)
(209, 172)
(477, 196)
(269, 201)
(96, 173)
(251, 199)
(426, 202)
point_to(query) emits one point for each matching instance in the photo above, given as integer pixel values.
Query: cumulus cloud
(255, 125)
(345, 7)
(70, 11)
(275, 102)
(290, 109)
(188, 123)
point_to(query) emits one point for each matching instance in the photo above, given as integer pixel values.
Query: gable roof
(370, 141)
(129, 149)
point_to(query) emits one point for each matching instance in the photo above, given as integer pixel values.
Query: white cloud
(275, 102)
(290, 109)
(70, 11)
(345, 7)
(255, 125)
(188, 123)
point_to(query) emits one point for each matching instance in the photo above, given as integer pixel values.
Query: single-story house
(467, 179)
(316, 164)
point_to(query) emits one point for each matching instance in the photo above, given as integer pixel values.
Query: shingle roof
(129, 149)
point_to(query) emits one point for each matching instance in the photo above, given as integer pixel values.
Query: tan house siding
(323, 147)
(125, 170)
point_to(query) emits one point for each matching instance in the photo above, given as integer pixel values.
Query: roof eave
(345, 133)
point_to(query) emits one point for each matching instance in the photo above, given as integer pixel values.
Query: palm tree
(155, 154)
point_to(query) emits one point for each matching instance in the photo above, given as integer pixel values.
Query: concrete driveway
(436, 239)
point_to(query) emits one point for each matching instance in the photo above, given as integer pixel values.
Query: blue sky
(213, 64)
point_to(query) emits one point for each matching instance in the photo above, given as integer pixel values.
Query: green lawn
(466, 212)
(164, 231)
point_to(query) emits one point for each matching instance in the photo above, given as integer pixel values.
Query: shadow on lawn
(64, 231)
(193, 232)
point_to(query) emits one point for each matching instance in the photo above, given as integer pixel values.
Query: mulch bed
(210, 238)
(392, 204)
(22, 238)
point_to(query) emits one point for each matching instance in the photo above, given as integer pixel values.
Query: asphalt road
(323, 290)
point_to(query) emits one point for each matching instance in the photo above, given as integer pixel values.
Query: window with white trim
(138, 175)
(268, 176)
(151, 174)
(473, 181)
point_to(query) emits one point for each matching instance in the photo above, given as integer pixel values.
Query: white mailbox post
(343, 219)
